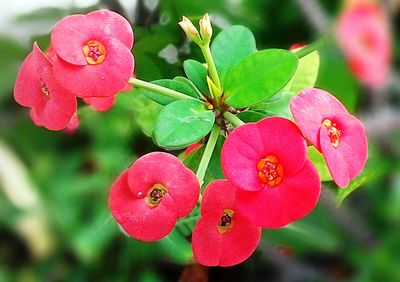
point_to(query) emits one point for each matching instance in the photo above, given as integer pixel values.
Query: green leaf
(277, 105)
(251, 116)
(147, 118)
(171, 84)
(370, 173)
(190, 83)
(231, 46)
(182, 123)
(197, 73)
(319, 162)
(306, 74)
(258, 77)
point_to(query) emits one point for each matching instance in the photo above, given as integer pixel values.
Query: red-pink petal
(101, 80)
(136, 217)
(113, 25)
(311, 107)
(346, 161)
(71, 34)
(250, 143)
(72, 125)
(212, 248)
(219, 195)
(168, 170)
(363, 33)
(100, 104)
(289, 201)
(27, 90)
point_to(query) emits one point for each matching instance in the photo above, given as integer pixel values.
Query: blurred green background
(54, 219)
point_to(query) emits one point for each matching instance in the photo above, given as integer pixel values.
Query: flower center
(95, 52)
(156, 194)
(270, 171)
(226, 221)
(44, 89)
(333, 132)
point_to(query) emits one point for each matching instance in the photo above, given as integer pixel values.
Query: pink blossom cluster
(269, 182)
(89, 58)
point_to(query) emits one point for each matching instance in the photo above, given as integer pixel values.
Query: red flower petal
(136, 217)
(210, 246)
(113, 25)
(100, 104)
(347, 160)
(168, 170)
(251, 142)
(289, 201)
(71, 34)
(53, 111)
(101, 80)
(310, 108)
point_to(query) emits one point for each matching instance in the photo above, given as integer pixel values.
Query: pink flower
(148, 198)
(339, 136)
(364, 36)
(35, 87)
(269, 159)
(92, 53)
(224, 236)
(72, 125)
(100, 104)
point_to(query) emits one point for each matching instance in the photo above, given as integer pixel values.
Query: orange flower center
(44, 89)
(333, 132)
(155, 195)
(226, 221)
(95, 52)
(270, 171)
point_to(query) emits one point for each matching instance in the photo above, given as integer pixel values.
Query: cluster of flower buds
(89, 57)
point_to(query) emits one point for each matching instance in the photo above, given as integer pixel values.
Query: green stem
(211, 65)
(205, 159)
(159, 89)
(234, 120)
(316, 45)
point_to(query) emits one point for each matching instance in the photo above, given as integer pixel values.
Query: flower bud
(205, 29)
(190, 30)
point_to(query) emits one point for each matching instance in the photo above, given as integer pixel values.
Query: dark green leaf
(171, 84)
(258, 77)
(231, 46)
(190, 83)
(182, 123)
(147, 118)
(197, 73)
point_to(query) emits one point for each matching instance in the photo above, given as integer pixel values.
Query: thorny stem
(234, 120)
(205, 159)
(211, 65)
(315, 46)
(159, 89)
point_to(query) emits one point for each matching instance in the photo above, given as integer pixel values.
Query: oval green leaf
(182, 123)
(197, 73)
(319, 162)
(230, 46)
(171, 84)
(306, 74)
(259, 76)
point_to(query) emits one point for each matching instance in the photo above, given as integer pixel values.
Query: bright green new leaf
(277, 105)
(172, 84)
(231, 46)
(197, 73)
(258, 77)
(306, 74)
(182, 123)
(319, 162)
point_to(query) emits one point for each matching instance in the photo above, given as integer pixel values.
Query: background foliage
(54, 218)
